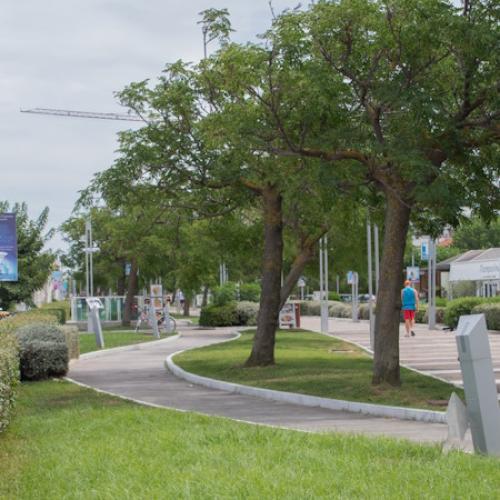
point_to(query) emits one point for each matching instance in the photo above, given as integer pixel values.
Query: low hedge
(491, 313)
(215, 315)
(9, 376)
(43, 351)
(72, 336)
(231, 314)
(60, 308)
(464, 305)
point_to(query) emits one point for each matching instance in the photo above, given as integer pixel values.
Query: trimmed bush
(62, 306)
(459, 307)
(72, 336)
(250, 292)
(310, 308)
(491, 313)
(364, 311)
(9, 376)
(339, 310)
(224, 294)
(215, 315)
(43, 351)
(334, 296)
(247, 313)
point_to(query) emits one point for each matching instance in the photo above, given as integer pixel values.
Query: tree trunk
(187, 305)
(267, 323)
(131, 291)
(386, 355)
(300, 262)
(204, 301)
(120, 286)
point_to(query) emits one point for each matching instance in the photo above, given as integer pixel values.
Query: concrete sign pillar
(94, 306)
(481, 395)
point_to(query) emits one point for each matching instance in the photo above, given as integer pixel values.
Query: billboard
(413, 274)
(8, 247)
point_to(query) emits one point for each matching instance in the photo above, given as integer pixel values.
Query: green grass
(195, 320)
(115, 339)
(69, 442)
(310, 363)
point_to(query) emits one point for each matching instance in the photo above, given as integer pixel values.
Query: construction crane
(84, 114)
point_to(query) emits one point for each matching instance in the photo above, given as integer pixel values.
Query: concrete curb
(131, 347)
(400, 413)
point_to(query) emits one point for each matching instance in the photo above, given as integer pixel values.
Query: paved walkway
(433, 352)
(138, 372)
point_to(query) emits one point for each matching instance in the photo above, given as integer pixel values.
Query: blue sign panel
(424, 250)
(8, 248)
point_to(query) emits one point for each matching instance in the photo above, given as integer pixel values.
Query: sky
(74, 54)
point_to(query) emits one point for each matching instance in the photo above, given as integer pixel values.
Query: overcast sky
(73, 54)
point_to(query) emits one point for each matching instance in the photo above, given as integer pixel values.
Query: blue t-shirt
(409, 302)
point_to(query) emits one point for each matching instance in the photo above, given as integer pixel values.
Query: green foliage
(63, 308)
(225, 293)
(458, 307)
(475, 233)
(9, 376)
(247, 313)
(491, 313)
(224, 315)
(340, 310)
(16, 321)
(43, 351)
(35, 264)
(310, 308)
(72, 336)
(334, 296)
(250, 292)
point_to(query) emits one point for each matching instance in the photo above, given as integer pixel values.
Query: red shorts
(409, 314)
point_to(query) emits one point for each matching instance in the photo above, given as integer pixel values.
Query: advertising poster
(413, 274)
(288, 317)
(157, 296)
(8, 247)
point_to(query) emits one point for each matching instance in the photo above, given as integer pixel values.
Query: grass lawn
(195, 320)
(310, 363)
(115, 338)
(69, 442)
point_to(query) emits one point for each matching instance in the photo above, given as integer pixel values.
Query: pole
(370, 279)
(431, 310)
(377, 257)
(91, 261)
(324, 304)
(338, 283)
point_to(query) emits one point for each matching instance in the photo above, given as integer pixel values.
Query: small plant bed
(310, 363)
(116, 338)
(69, 442)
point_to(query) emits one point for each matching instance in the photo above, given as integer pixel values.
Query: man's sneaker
(412, 333)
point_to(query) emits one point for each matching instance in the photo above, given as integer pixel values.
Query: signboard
(157, 296)
(413, 274)
(8, 247)
(301, 283)
(350, 277)
(288, 316)
(424, 250)
(475, 271)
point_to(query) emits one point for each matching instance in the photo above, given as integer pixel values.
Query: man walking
(409, 299)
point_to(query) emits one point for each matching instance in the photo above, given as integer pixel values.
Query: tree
(401, 94)
(34, 263)
(475, 233)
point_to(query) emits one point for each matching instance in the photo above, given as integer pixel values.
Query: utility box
(481, 395)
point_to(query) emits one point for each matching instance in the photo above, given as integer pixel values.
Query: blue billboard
(8, 247)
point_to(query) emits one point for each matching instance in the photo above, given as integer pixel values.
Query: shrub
(72, 336)
(334, 296)
(12, 323)
(491, 313)
(339, 310)
(247, 313)
(58, 313)
(441, 302)
(363, 311)
(43, 351)
(310, 308)
(62, 306)
(9, 376)
(214, 315)
(458, 307)
(250, 292)
(225, 293)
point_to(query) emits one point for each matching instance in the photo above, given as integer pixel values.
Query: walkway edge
(130, 347)
(400, 413)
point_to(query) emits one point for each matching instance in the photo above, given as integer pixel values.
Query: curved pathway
(137, 372)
